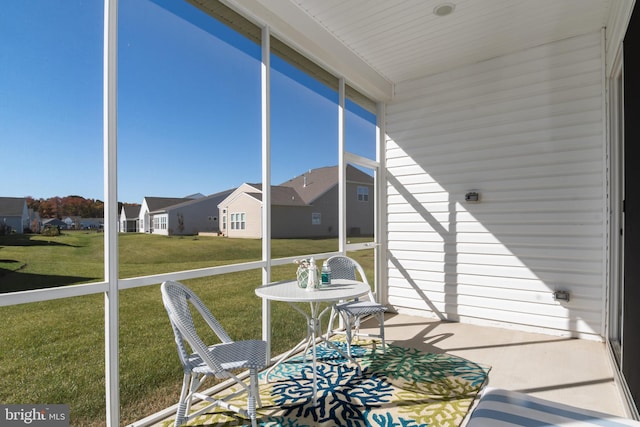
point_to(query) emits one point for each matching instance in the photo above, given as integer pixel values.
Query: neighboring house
(14, 213)
(73, 223)
(80, 223)
(91, 223)
(305, 206)
(154, 204)
(189, 217)
(129, 219)
(241, 212)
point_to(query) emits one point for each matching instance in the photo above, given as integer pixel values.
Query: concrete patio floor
(566, 370)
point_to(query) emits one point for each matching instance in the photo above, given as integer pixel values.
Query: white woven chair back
(177, 300)
(343, 267)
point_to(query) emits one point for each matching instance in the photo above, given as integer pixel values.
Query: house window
(238, 221)
(160, 222)
(316, 218)
(363, 194)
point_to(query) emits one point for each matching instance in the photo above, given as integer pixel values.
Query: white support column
(381, 257)
(342, 184)
(112, 375)
(266, 182)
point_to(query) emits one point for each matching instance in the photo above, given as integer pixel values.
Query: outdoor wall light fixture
(444, 9)
(472, 196)
(561, 296)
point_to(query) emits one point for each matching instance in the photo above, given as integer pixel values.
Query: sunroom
(495, 130)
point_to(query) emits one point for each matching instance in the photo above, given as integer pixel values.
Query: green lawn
(53, 352)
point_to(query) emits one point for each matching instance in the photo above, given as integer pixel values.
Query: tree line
(62, 207)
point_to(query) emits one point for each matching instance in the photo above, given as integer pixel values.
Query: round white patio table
(289, 291)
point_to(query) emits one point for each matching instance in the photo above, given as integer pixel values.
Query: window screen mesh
(253, 32)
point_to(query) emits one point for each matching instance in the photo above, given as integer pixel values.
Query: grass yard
(53, 351)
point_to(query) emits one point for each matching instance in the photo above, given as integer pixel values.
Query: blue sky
(188, 104)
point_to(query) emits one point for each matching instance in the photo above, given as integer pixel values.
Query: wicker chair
(217, 360)
(352, 312)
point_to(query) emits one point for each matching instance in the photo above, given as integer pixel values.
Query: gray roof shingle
(157, 203)
(314, 183)
(131, 211)
(12, 206)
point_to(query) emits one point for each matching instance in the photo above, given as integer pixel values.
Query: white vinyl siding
(526, 132)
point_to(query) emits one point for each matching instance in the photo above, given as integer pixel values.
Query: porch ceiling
(403, 40)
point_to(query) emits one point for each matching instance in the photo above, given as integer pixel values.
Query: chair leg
(253, 395)
(381, 320)
(183, 404)
(256, 388)
(330, 325)
(357, 326)
(348, 332)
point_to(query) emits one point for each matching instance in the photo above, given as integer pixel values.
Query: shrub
(51, 231)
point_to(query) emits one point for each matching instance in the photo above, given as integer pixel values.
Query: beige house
(305, 206)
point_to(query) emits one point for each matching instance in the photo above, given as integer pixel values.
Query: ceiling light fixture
(444, 9)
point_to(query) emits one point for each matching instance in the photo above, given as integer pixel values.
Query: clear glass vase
(303, 276)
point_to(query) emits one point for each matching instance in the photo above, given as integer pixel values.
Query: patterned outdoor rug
(403, 388)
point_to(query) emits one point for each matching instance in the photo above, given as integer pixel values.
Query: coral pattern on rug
(400, 388)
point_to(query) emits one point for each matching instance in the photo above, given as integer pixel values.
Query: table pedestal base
(314, 336)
